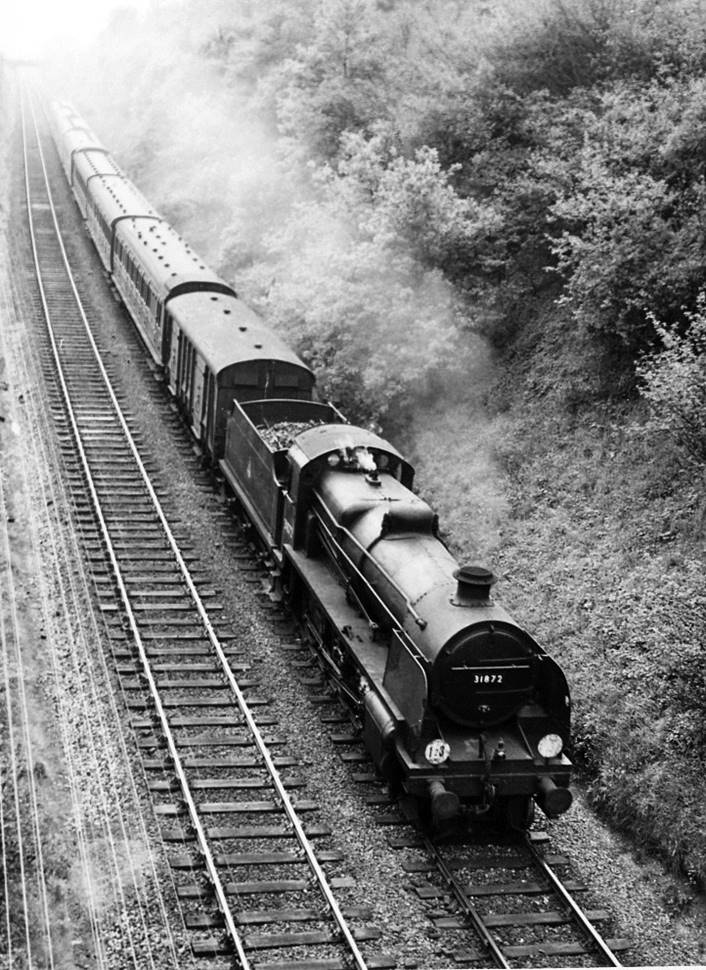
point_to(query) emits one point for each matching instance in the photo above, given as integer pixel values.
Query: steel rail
(576, 910)
(4, 855)
(466, 905)
(103, 799)
(76, 591)
(15, 771)
(36, 423)
(73, 595)
(32, 425)
(479, 925)
(6, 548)
(104, 791)
(205, 851)
(283, 795)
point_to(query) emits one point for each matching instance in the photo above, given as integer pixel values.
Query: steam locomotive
(460, 707)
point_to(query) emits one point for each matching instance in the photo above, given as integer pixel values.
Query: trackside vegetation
(483, 225)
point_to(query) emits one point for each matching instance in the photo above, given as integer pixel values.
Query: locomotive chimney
(474, 582)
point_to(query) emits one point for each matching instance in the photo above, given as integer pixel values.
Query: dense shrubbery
(632, 240)
(675, 382)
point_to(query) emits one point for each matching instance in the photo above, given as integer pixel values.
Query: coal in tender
(281, 436)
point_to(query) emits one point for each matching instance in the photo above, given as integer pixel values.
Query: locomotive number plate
(505, 677)
(487, 678)
(437, 751)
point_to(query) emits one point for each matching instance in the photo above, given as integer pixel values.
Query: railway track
(124, 912)
(522, 911)
(255, 881)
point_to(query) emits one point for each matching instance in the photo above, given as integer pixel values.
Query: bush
(628, 233)
(413, 206)
(374, 325)
(674, 382)
(560, 45)
(337, 82)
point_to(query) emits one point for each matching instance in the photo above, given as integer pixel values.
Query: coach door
(171, 340)
(198, 396)
(208, 424)
(185, 373)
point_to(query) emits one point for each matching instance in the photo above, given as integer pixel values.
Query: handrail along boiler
(459, 706)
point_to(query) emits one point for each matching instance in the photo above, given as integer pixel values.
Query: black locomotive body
(458, 704)
(455, 699)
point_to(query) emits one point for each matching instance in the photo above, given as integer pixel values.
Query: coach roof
(225, 331)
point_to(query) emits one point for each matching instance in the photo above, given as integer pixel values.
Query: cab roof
(323, 439)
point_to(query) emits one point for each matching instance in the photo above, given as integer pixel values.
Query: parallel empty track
(213, 775)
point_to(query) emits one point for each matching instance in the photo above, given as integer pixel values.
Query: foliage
(674, 382)
(375, 323)
(412, 205)
(629, 236)
(512, 140)
(559, 45)
(337, 82)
